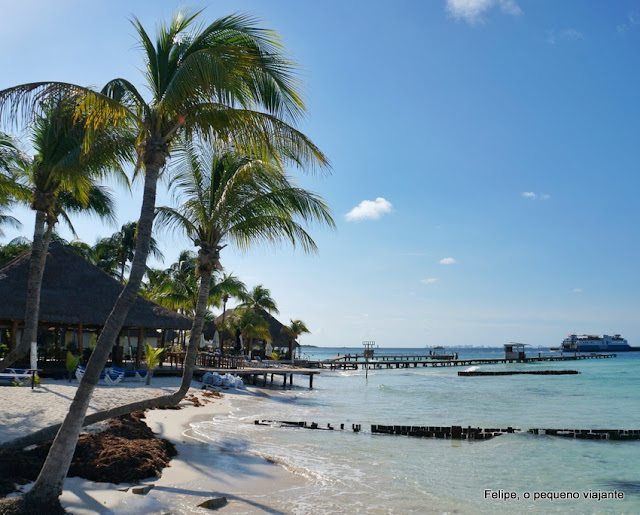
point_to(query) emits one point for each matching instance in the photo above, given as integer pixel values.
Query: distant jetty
(355, 361)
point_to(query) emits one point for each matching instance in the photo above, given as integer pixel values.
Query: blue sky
(485, 160)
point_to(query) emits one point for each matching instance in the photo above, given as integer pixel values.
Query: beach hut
(75, 301)
(515, 350)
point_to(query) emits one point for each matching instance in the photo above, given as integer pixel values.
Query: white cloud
(577, 290)
(556, 36)
(472, 10)
(632, 20)
(429, 280)
(447, 261)
(534, 196)
(369, 210)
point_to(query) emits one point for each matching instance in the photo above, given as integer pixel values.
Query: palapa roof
(278, 337)
(76, 292)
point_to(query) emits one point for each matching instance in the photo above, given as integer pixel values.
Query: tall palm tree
(225, 287)
(294, 330)
(260, 297)
(179, 287)
(251, 325)
(113, 253)
(227, 198)
(227, 81)
(10, 189)
(58, 172)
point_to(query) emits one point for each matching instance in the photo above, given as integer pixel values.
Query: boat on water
(591, 343)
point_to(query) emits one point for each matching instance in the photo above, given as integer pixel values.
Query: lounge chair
(139, 375)
(13, 376)
(112, 378)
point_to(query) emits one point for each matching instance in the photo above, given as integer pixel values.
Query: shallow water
(371, 473)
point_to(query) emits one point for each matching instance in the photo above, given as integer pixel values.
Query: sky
(485, 160)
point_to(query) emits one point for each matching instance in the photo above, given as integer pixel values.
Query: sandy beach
(199, 472)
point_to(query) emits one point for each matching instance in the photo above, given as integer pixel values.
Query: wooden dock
(254, 374)
(355, 361)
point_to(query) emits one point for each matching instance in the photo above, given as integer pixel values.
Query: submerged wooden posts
(465, 433)
(480, 373)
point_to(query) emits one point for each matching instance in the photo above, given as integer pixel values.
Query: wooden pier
(253, 375)
(355, 361)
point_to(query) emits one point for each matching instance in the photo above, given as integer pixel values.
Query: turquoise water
(369, 473)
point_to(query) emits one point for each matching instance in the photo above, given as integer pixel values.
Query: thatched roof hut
(278, 337)
(75, 292)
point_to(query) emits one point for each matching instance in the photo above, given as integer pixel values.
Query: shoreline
(199, 472)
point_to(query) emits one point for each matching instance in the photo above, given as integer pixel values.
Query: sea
(361, 472)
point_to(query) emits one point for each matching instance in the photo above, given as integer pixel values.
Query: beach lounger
(111, 378)
(13, 376)
(139, 375)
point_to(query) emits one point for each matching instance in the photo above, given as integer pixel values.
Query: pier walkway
(355, 361)
(253, 374)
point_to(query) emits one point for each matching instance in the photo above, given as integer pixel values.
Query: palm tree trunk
(48, 485)
(34, 283)
(155, 402)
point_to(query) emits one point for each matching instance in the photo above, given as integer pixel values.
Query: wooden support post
(265, 379)
(284, 383)
(310, 381)
(271, 378)
(13, 336)
(80, 342)
(139, 351)
(291, 379)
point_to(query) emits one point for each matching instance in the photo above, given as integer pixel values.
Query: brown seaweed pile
(126, 452)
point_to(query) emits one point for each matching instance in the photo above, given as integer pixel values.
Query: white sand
(196, 474)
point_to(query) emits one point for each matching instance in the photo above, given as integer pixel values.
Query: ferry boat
(591, 343)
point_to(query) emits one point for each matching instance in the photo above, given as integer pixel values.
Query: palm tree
(259, 297)
(223, 287)
(231, 198)
(294, 330)
(60, 175)
(10, 190)
(251, 325)
(178, 288)
(151, 359)
(113, 253)
(227, 81)
(13, 248)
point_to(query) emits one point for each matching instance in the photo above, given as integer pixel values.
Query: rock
(141, 490)
(125, 489)
(214, 504)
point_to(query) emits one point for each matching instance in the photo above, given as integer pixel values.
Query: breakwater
(481, 373)
(461, 432)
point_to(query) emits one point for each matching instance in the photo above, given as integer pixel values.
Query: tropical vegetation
(61, 177)
(227, 82)
(293, 331)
